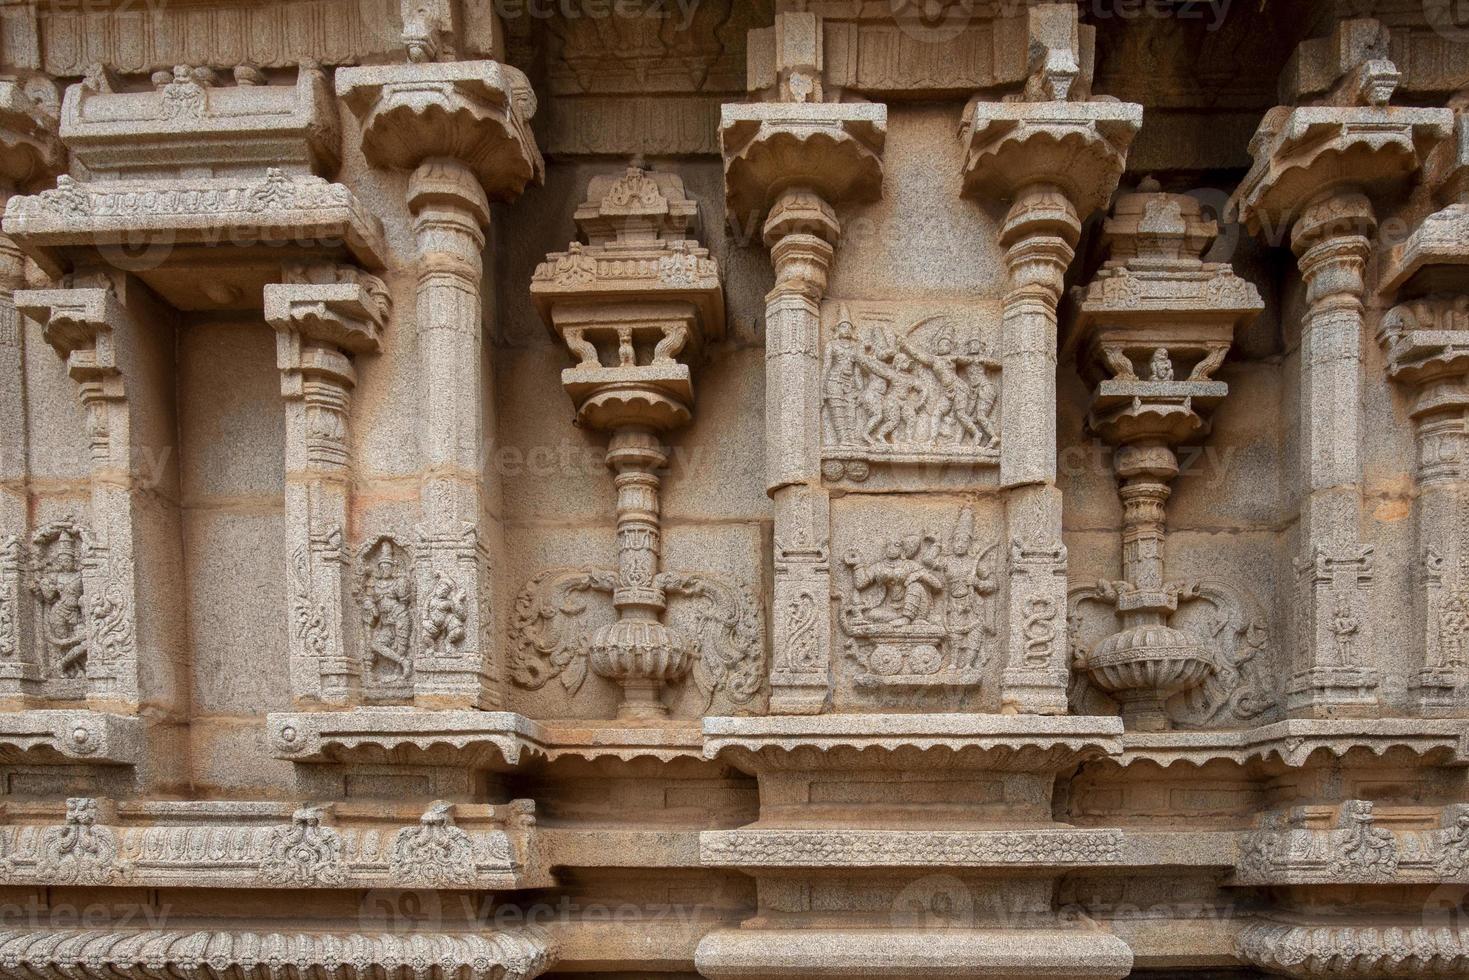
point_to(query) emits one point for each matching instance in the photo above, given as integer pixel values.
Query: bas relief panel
(909, 394)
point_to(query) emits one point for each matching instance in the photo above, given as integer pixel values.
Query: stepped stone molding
(259, 845)
(775, 954)
(751, 848)
(97, 954)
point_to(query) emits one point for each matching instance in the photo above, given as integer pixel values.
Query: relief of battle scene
(910, 391)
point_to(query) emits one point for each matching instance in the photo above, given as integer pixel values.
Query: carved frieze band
(832, 848)
(241, 846)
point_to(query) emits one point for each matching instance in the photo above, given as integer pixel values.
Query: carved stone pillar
(801, 233)
(323, 315)
(1310, 173)
(119, 347)
(461, 130)
(1039, 237)
(837, 147)
(29, 151)
(1058, 161)
(1426, 340)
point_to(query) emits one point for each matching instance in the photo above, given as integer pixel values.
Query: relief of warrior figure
(387, 613)
(841, 385)
(64, 622)
(883, 399)
(949, 404)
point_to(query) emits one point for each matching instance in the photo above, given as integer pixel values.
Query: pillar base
(1440, 692)
(1334, 692)
(1033, 691)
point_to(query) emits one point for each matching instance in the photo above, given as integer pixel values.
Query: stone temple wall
(706, 488)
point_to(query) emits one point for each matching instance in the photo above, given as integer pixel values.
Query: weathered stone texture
(494, 490)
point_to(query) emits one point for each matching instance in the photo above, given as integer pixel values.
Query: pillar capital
(476, 112)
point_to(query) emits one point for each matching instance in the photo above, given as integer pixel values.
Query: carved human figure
(445, 615)
(1161, 366)
(953, 390)
(980, 410)
(59, 587)
(883, 398)
(1344, 627)
(1453, 622)
(387, 612)
(909, 577)
(965, 585)
(842, 383)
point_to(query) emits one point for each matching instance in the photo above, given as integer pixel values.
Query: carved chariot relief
(901, 391)
(918, 611)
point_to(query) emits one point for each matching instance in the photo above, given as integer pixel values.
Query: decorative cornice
(997, 742)
(103, 954)
(1293, 742)
(148, 223)
(70, 736)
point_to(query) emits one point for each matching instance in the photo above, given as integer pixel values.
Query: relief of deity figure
(917, 613)
(385, 595)
(1453, 624)
(1344, 627)
(909, 579)
(966, 585)
(59, 588)
(446, 616)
